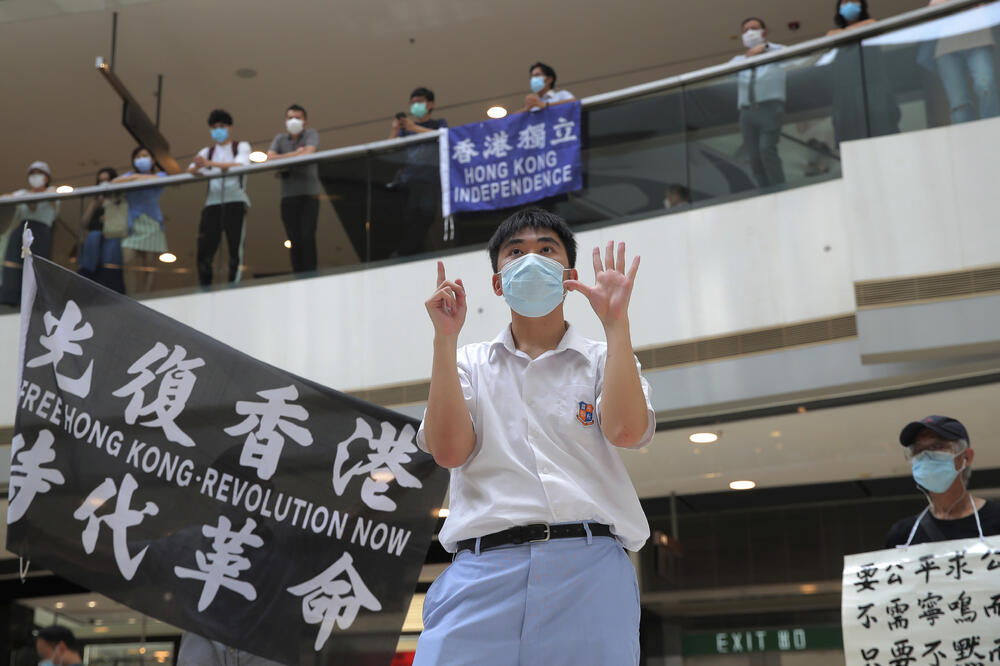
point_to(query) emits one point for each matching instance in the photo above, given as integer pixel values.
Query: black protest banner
(210, 490)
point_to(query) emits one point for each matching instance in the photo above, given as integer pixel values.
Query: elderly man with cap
(39, 218)
(938, 449)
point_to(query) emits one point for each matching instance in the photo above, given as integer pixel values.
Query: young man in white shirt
(540, 503)
(543, 93)
(227, 202)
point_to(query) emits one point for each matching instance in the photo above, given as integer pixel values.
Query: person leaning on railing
(300, 188)
(963, 59)
(543, 93)
(39, 218)
(101, 257)
(417, 182)
(146, 239)
(863, 102)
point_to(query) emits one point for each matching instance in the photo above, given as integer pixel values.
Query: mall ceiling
(351, 63)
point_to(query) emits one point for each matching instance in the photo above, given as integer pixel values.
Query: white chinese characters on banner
(172, 395)
(118, 521)
(61, 338)
(930, 604)
(28, 474)
(386, 456)
(329, 599)
(262, 449)
(222, 566)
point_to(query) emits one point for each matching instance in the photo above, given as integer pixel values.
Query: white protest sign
(935, 603)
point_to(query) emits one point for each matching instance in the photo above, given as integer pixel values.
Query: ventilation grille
(928, 287)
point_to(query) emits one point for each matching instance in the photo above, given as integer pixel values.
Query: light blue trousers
(564, 601)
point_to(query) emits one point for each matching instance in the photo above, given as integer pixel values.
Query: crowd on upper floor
(124, 235)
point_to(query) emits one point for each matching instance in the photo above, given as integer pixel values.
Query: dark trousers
(214, 220)
(13, 267)
(299, 214)
(761, 128)
(419, 207)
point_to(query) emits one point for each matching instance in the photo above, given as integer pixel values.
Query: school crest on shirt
(585, 413)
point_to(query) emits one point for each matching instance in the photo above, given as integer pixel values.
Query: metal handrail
(385, 145)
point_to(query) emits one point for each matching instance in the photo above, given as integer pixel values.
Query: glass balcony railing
(711, 136)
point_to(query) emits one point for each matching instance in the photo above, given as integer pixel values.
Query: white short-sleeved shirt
(231, 188)
(554, 96)
(538, 458)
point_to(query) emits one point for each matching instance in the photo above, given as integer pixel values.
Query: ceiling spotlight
(91, 604)
(704, 437)
(496, 112)
(59, 604)
(288, 244)
(64, 189)
(168, 257)
(442, 513)
(258, 156)
(742, 485)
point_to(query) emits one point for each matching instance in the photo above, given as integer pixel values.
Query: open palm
(612, 289)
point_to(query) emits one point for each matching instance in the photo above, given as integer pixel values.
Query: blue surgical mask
(851, 11)
(47, 662)
(533, 285)
(419, 109)
(220, 134)
(935, 470)
(143, 164)
(537, 84)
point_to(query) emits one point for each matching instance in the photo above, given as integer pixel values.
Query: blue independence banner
(511, 161)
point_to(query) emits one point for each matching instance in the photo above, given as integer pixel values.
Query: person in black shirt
(58, 645)
(418, 182)
(938, 448)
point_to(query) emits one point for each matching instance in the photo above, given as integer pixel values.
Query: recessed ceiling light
(288, 244)
(132, 620)
(808, 588)
(496, 112)
(704, 437)
(100, 630)
(64, 189)
(258, 156)
(168, 257)
(442, 513)
(59, 604)
(742, 485)
(775, 433)
(91, 604)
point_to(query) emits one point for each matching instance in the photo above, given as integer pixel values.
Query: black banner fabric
(209, 490)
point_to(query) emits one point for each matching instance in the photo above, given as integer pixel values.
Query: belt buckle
(548, 533)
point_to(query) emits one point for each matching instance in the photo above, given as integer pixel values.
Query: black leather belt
(533, 533)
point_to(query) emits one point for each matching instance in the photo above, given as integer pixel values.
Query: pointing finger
(440, 273)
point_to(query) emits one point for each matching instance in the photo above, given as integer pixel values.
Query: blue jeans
(541, 604)
(960, 69)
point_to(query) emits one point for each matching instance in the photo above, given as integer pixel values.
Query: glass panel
(406, 202)
(773, 126)
(935, 73)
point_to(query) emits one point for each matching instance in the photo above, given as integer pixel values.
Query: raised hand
(609, 297)
(446, 306)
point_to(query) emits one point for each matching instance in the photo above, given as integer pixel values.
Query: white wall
(908, 204)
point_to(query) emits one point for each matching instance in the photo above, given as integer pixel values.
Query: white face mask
(294, 125)
(37, 180)
(667, 203)
(752, 38)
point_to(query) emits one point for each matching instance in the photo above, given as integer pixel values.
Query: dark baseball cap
(945, 426)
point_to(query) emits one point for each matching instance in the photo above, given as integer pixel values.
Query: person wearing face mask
(676, 196)
(227, 202)
(863, 100)
(417, 183)
(58, 646)
(938, 449)
(101, 257)
(543, 93)
(530, 425)
(300, 187)
(147, 238)
(761, 102)
(39, 217)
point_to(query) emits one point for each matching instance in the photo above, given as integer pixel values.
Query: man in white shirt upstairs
(529, 424)
(227, 202)
(761, 102)
(543, 93)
